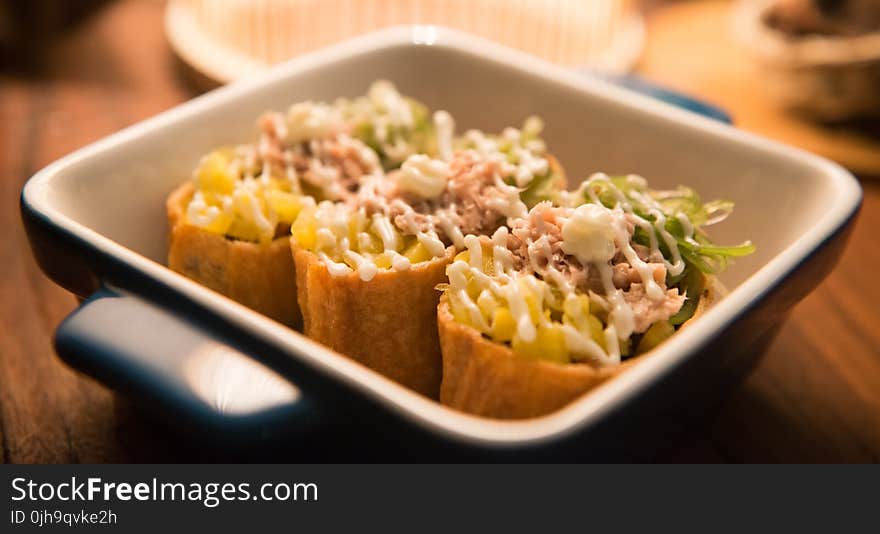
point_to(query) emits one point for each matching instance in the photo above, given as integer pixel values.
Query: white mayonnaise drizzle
(444, 126)
(510, 205)
(246, 203)
(432, 243)
(451, 230)
(335, 222)
(366, 268)
(384, 95)
(527, 160)
(589, 234)
(308, 120)
(383, 228)
(393, 113)
(519, 309)
(399, 262)
(201, 214)
(423, 176)
(501, 255)
(529, 166)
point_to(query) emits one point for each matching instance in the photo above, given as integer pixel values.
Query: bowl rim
(431, 415)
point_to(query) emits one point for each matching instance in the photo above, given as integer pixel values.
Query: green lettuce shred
(364, 115)
(698, 251)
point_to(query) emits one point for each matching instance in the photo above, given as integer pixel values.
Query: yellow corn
(356, 224)
(575, 311)
(596, 308)
(577, 314)
(656, 334)
(243, 230)
(213, 174)
(503, 325)
(286, 205)
(597, 332)
(382, 261)
(488, 260)
(549, 344)
(218, 225)
(303, 231)
(417, 253)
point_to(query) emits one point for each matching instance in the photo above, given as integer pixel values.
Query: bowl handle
(173, 366)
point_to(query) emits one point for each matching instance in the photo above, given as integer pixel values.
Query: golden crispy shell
(260, 276)
(388, 324)
(486, 378)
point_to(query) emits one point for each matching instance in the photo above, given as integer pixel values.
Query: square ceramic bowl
(97, 226)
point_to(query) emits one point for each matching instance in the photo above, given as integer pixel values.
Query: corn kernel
(656, 334)
(488, 260)
(549, 344)
(220, 224)
(474, 287)
(382, 261)
(243, 230)
(304, 231)
(213, 174)
(575, 310)
(217, 222)
(279, 185)
(503, 325)
(597, 332)
(596, 308)
(286, 205)
(356, 224)
(417, 253)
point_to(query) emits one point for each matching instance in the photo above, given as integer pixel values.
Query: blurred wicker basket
(228, 39)
(827, 77)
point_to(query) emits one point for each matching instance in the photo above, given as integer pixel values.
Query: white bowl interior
(117, 188)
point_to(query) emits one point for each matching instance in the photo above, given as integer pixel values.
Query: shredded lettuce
(514, 143)
(382, 130)
(542, 188)
(692, 286)
(698, 251)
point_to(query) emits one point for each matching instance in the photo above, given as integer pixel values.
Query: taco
(367, 269)
(230, 226)
(570, 295)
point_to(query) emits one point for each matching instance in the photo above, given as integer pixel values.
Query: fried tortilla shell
(485, 378)
(388, 324)
(259, 276)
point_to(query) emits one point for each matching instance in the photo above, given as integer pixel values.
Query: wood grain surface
(815, 397)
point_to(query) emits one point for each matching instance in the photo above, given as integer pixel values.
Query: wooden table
(816, 396)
